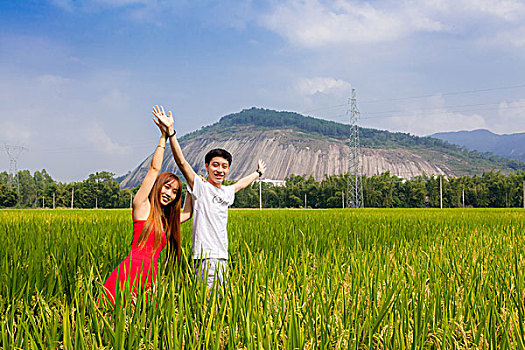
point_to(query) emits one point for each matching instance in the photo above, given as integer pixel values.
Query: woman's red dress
(142, 262)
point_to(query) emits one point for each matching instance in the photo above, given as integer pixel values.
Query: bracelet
(174, 132)
(259, 172)
(161, 146)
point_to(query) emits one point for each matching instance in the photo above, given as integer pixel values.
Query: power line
(448, 93)
(409, 113)
(404, 98)
(437, 109)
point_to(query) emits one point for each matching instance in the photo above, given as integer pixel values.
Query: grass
(372, 278)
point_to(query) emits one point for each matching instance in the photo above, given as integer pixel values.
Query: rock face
(291, 152)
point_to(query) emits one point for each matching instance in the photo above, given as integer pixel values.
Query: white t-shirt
(210, 218)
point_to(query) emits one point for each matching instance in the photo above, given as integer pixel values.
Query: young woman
(156, 221)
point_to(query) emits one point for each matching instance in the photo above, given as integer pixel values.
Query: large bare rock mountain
(294, 144)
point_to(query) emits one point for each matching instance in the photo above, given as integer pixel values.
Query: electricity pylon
(354, 189)
(14, 153)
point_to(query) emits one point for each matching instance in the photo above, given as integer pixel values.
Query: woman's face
(168, 192)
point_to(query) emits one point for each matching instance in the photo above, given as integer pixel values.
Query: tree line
(492, 189)
(99, 190)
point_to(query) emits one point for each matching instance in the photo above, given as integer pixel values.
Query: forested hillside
(369, 138)
(509, 146)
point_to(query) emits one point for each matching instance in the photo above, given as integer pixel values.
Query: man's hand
(247, 180)
(163, 120)
(261, 165)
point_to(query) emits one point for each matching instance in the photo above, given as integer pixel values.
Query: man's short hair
(218, 152)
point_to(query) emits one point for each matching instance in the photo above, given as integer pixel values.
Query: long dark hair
(167, 216)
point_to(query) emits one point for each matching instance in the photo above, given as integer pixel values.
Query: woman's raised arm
(166, 121)
(141, 204)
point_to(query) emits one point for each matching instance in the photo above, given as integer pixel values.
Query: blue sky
(79, 78)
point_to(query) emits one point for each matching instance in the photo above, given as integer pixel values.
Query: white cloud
(507, 10)
(511, 117)
(98, 137)
(15, 132)
(314, 23)
(49, 79)
(426, 117)
(54, 85)
(511, 38)
(322, 85)
(115, 100)
(318, 23)
(425, 123)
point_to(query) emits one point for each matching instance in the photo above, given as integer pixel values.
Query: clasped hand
(164, 121)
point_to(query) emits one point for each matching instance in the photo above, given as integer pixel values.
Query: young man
(210, 203)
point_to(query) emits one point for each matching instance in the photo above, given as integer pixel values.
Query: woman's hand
(163, 129)
(164, 121)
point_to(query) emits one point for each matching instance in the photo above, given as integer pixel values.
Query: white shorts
(213, 270)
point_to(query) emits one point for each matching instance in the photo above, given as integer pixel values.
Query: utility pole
(463, 198)
(53, 200)
(440, 192)
(260, 195)
(72, 196)
(43, 202)
(96, 202)
(305, 201)
(523, 194)
(354, 190)
(343, 198)
(131, 201)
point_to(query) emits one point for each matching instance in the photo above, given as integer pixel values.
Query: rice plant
(299, 279)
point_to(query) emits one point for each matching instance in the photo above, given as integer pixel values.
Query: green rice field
(299, 279)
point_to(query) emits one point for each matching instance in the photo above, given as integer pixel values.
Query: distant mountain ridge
(294, 144)
(482, 140)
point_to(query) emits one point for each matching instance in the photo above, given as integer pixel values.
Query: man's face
(217, 169)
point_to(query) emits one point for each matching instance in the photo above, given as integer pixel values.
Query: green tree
(415, 193)
(28, 189)
(8, 196)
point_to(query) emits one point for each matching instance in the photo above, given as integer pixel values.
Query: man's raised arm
(184, 166)
(247, 180)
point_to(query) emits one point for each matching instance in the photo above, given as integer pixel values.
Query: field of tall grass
(298, 279)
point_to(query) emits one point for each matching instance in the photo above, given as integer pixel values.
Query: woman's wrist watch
(259, 172)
